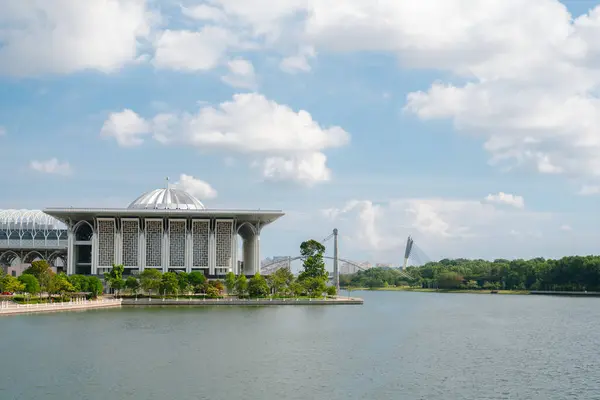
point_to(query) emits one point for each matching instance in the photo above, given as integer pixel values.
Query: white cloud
(52, 166)
(529, 66)
(196, 187)
(204, 12)
(241, 74)
(566, 228)
(64, 36)
(506, 198)
(192, 51)
(286, 144)
(2, 131)
(126, 127)
(298, 62)
(441, 227)
(588, 190)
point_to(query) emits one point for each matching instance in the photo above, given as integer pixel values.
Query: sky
(472, 125)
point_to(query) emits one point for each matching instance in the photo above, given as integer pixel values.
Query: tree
(281, 280)
(60, 284)
(257, 286)
(114, 277)
(197, 280)
(150, 279)
(212, 292)
(241, 285)
(331, 291)
(169, 283)
(42, 272)
(132, 284)
(183, 282)
(314, 286)
(95, 286)
(230, 282)
(32, 286)
(12, 284)
(79, 282)
(314, 265)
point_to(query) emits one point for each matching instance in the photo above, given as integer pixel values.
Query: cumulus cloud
(52, 166)
(185, 50)
(526, 70)
(196, 187)
(127, 127)
(588, 190)
(506, 198)
(286, 144)
(65, 36)
(240, 74)
(299, 62)
(441, 227)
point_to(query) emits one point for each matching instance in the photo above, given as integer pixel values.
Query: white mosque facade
(166, 229)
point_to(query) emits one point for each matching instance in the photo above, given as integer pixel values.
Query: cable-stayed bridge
(413, 255)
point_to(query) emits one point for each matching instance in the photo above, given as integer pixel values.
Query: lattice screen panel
(106, 243)
(177, 243)
(223, 233)
(200, 243)
(154, 233)
(130, 243)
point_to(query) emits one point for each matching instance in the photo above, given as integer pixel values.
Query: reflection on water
(396, 346)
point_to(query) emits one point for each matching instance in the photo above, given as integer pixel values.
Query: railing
(9, 307)
(33, 243)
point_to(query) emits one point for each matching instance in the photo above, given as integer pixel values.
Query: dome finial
(167, 179)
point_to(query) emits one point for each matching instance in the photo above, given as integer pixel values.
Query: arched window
(84, 233)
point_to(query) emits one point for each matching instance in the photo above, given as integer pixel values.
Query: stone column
(165, 248)
(70, 251)
(142, 244)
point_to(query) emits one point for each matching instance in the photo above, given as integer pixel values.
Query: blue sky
(474, 129)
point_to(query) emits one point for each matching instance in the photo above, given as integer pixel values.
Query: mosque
(166, 229)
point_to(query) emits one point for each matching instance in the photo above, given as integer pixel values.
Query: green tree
(132, 284)
(314, 265)
(169, 283)
(114, 277)
(12, 284)
(183, 282)
(79, 282)
(59, 283)
(150, 279)
(331, 291)
(314, 286)
(241, 285)
(212, 292)
(32, 286)
(230, 282)
(197, 280)
(95, 286)
(281, 280)
(257, 286)
(42, 272)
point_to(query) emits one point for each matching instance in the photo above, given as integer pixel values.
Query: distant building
(166, 229)
(270, 265)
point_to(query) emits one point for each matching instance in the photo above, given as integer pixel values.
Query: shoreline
(19, 309)
(241, 302)
(463, 291)
(481, 291)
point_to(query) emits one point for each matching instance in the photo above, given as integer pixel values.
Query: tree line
(575, 273)
(39, 278)
(311, 282)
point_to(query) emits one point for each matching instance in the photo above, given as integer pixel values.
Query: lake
(398, 345)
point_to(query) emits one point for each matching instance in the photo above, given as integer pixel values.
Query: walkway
(10, 308)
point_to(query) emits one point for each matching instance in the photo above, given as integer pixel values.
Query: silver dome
(167, 199)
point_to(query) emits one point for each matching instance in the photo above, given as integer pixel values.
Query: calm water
(396, 346)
